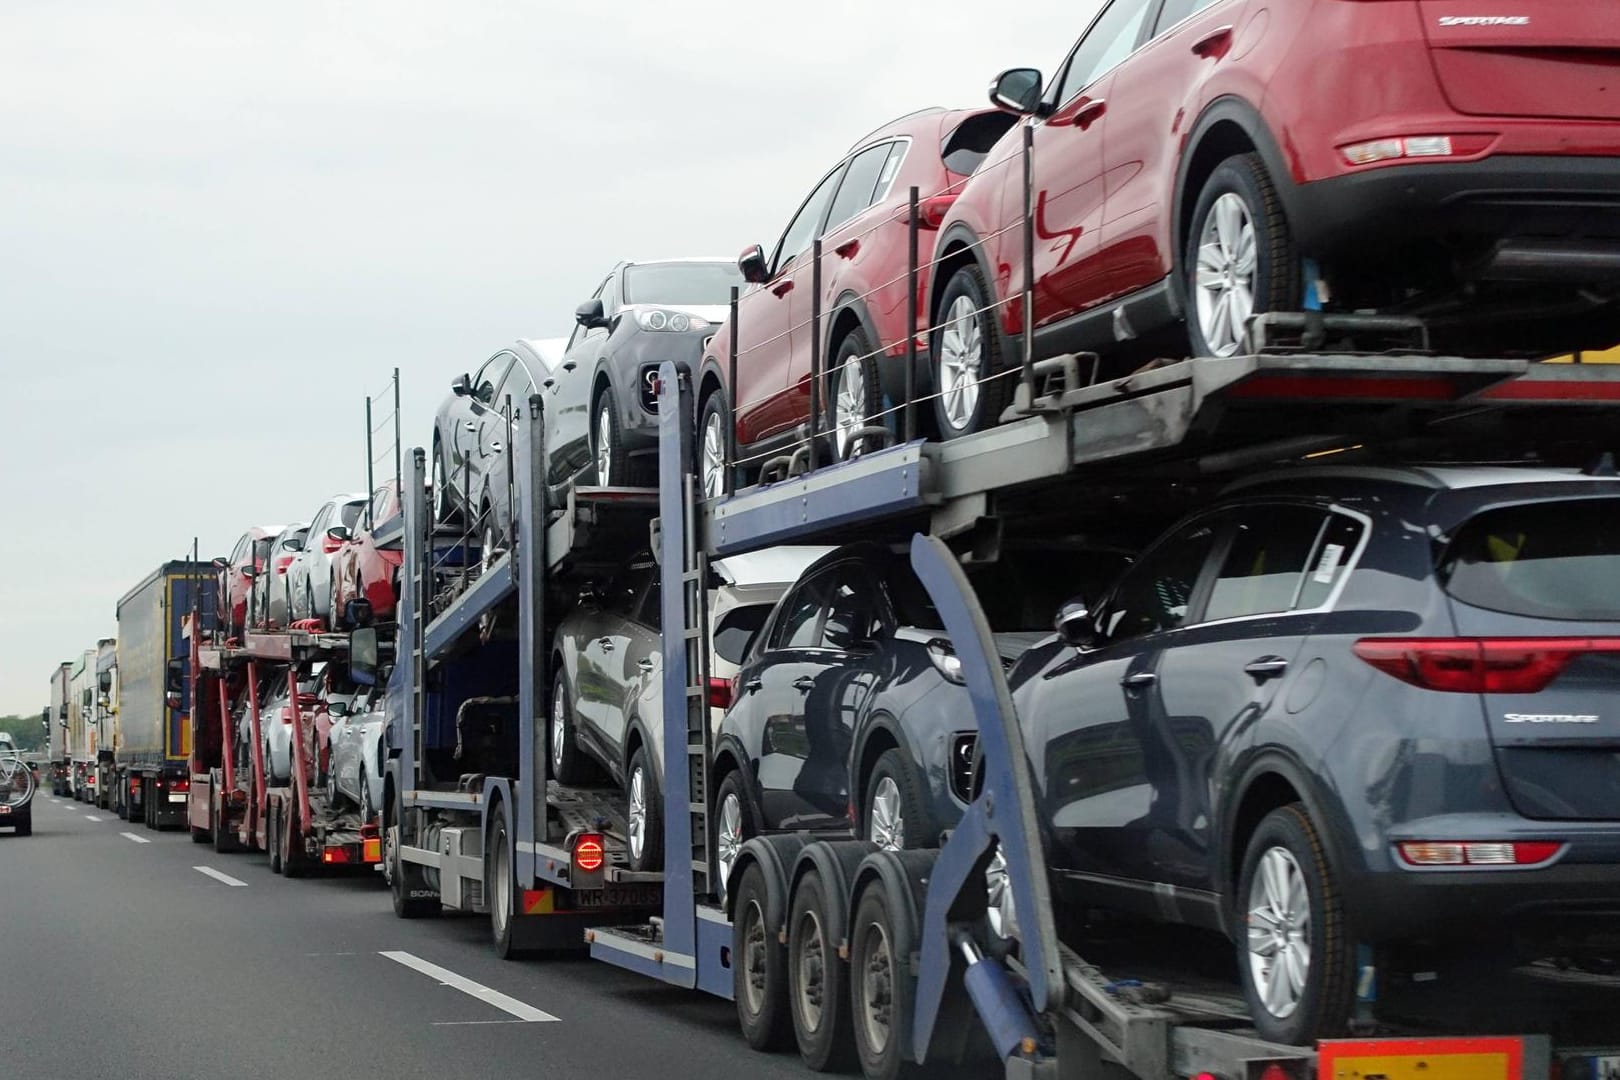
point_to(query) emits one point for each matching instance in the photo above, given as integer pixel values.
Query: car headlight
(678, 322)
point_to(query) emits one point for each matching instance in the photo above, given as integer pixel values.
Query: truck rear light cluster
(1478, 852)
(1479, 665)
(588, 852)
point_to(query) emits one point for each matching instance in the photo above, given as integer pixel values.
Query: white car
(358, 750)
(275, 722)
(309, 578)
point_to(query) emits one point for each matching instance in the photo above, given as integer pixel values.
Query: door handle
(645, 663)
(1138, 680)
(1089, 112)
(471, 426)
(803, 684)
(848, 248)
(606, 643)
(1215, 44)
(753, 686)
(495, 447)
(1266, 667)
(782, 288)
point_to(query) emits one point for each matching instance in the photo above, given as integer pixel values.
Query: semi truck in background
(148, 776)
(106, 719)
(57, 744)
(82, 727)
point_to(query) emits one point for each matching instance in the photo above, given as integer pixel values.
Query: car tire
(610, 464)
(1289, 896)
(641, 785)
(854, 395)
(894, 811)
(444, 510)
(965, 351)
(336, 618)
(714, 421)
(733, 834)
(367, 811)
(818, 981)
(759, 966)
(568, 764)
(1240, 245)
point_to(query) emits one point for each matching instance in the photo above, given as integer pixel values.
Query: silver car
(358, 751)
(272, 596)
(309, 578)
(276, 722)
(606, 704)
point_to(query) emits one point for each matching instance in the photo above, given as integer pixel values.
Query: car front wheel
(711, 448)
(1240, 257)
(645, 814)
(856, 395)
(1295, 955)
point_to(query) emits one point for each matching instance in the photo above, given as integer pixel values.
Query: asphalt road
(122, 959)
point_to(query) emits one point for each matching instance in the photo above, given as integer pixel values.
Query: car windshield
(1547, 560)
(676, 283)
(351, 513)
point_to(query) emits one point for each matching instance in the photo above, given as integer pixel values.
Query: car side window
(799, 626)
(854, 609)
(1265, 561)
(379, 506)
(1154, 594)
(489, 376)
(796, 238)
(1175, 11)
(856, 190)
(317, 528)
(517, 385)
(240, 553)
(649, 612)
(1330, 560)
(1111, 39)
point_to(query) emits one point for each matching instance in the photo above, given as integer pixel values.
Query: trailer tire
(818, 981)
(404, 879)
(882, 991)
(293, 862)
(24, 824)
(272, 836)
(499, 888)
(224, 842)
(759, 965)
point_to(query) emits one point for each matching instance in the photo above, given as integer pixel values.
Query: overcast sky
(222, 225)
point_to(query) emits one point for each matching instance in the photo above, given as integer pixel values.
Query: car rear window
(1548, 560)
(678, 283)
(737, 630)
(964, 149)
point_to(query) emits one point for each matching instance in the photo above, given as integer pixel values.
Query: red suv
(367, 566)
(859, 211)
(1199, 161)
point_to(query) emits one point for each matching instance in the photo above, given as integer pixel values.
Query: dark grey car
(1348, 706)
(601, 418)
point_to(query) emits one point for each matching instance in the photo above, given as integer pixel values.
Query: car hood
(771, 566)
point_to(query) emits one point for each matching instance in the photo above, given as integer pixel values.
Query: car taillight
(286, 715)
(180, 785)
(282, 562)
(331, 544)
(1478, 665)
(1478, 852)
(720, 693)
(1415, 147)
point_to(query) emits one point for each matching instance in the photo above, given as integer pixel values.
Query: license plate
(1604, 1067)
(619, 896)
(177, 796)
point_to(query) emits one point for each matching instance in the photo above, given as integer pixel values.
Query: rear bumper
(1501, 198)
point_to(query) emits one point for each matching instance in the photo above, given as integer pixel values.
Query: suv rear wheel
(1240, 258)
(1295, 956)
(966, 354)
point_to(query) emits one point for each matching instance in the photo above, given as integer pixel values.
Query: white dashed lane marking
(446, 977)
(217, 876)
(132, 836)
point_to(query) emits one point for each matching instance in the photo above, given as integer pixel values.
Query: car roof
(770, 566)
(1431, 477)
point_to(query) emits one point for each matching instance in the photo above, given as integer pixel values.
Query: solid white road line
(132, 836)
(467, 986)
(92, 817)
(217, 876)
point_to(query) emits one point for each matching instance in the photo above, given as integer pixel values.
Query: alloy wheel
(728, 840)
(886, 823)
(604, 444)
(637, 818)
(1225, 274)
(849, 409)
(1002, 914)
(961, 358)
(714, 457)
(1279, 932)
(559, 725)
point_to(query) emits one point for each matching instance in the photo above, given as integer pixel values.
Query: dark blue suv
(1347, 706)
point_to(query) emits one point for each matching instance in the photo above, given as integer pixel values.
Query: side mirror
(589, 314)
(292, 543)
(174, 676)
(1074, 625)
(1017, 90)
(338, 708)
(363, 655)
(104, 681)
(250, 572)
(339, 533)
(590, 593)
(461, 385)
(752, 264)
(221, 563)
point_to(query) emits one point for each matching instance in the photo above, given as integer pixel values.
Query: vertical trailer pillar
(534, 686)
